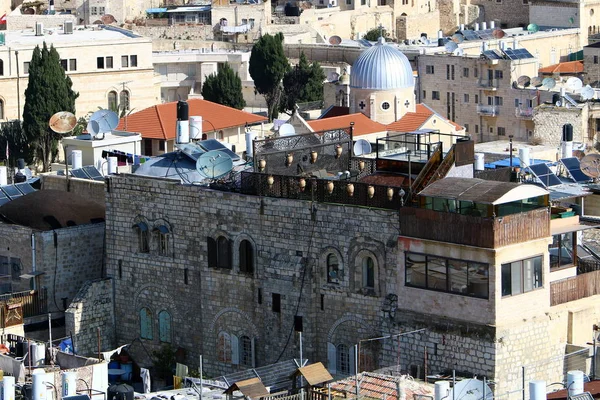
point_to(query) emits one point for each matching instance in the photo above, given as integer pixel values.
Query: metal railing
(488, 83)
(488, 110)
(33, 303)
(524, 112)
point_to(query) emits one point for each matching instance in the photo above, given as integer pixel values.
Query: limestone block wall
(551, 13)
(91, 190)
(412, 26)
(16, 21)
(549, 121)
(510, 12)
(15, 242)
(71, 256)
(92, 309)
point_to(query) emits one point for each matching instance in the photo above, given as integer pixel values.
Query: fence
(32, 303)
(575, 288)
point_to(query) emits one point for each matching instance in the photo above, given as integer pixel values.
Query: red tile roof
(378, 386)
(568, 67)
(363, 125)
(159, 121)
(414, 121)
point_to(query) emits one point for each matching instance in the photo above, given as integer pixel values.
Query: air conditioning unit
(39, 29)
(68, 28)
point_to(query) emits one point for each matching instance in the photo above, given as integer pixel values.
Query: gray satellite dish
(214, 164)
(523, 81)
(102, 121)
(450, 46)
(536, 81)
(587, 92)
(361, 147)
(287, 130)
(548, 83)
(574, 83)
(458, 38)
(335, 40)
(590, 165)
(471, 389)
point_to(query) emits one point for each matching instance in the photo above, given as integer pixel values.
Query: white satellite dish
(287, 130)
(471, 389)
(102, 121)
(548, 83)
(574, 83)
(450, 46)
(587, 92)
(458, 52)
(214, 164)
(361, 147)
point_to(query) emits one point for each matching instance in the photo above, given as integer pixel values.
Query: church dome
(382, 67)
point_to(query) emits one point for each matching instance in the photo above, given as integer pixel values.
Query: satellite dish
(533, 28)
(574, 83)
(558, 103)
(427, 42)
(102, 121)
(450, 47)
(548, 83)
(335, 40)
(524, 81)
(498, 33)
(458, 52)
(471, 389)
(62, 122)
(590, 165)
(214, 164)
(287, 130)
(536, 81)
(458, 38)
(587, 92)
(361, 147)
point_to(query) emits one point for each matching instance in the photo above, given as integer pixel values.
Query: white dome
(382, 67)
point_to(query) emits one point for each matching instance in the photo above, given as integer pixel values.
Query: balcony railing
(524, 112)
(575, 288)
(15, 307)
(491, 84)
(488, 110)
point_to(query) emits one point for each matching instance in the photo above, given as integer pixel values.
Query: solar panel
(3, 198)
(93, 173)
(469, 34)
(544, 174)
(492, 55)
(517, 54)
(191, 150)
(25, 188)
(573, 166)
(485, 34)
(78, 173)
(11, 191)
(213, 144)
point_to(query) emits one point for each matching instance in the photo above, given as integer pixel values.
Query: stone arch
(349, 318)
(170, 306)
(245, 317)
(323, 273)
(236, 252)
(360, 249)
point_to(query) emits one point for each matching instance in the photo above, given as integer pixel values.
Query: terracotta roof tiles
(569, 67)
(363, 125)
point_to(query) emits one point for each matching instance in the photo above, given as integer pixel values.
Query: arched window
(162, 233)
(333, 269)
(164, 326)
(112, 100)
(223, 252)
(246, 350)
(343, 359)
(146, 324)
(246, 257)
(143, 238)
(1, 109)
(368, 270)
(1, 68)
(224, 347)
(124, 100)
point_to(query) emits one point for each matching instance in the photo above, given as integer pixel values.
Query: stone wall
(549, 121)
(411, 27)
(16, 21)
(175, 32)
(554, 13)
(510, 12)
(15, 242)
(92, 309)
(91, 190)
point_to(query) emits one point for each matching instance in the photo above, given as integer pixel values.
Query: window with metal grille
(246, 351)
(343, 359)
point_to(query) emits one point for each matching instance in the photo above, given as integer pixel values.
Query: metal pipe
(18, 87)
(33, 267)
(50, 330)
(355, 369)
(201, 384)
(453, 384)
(510, 149)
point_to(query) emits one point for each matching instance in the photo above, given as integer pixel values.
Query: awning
(559, 230)
(142, 226)
(156, 10)
(189, 9)
(31, 274)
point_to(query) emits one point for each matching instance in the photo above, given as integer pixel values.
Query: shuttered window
(164, 326)
(146, 324)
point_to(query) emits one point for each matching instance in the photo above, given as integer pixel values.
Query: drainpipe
(33, 267)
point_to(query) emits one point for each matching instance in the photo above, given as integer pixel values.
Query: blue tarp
(156, 10)
(516, 162)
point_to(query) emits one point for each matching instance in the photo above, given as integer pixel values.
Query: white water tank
(183, 132)
(196, 127)
(3, 175)
(8, 388)
(69, 384)
(524, 157)
(476, 28)
(112, 165)
(250, 137)
(492, 24)
(38, 353)
(479, 161)
(38, 388)
(537, 390)
(76, 159)
(442, 388)
(49, 382)
(566, 149)
(574, 382)
(484, 25)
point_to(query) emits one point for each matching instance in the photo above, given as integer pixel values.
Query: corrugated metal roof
(481, 191)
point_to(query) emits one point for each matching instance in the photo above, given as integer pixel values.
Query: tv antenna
(214, 164)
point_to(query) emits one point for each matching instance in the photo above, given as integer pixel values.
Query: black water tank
(555, 98)
(567, 135)
(120, 392)
(292, 11)
(424, 35)
(183, 111)
(20, 163)
(440, 42)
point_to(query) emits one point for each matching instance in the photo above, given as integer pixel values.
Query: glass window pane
(515, 276)
(164, 326)
(479, 280)
(458, 281)
(506, 281)
(416, 274)
(436, 273)
(537, 272)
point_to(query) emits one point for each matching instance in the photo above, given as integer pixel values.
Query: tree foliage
(224, 87)
(374, 34)
(268, 65)
(49, 91)
(11, 133)
(302, 84)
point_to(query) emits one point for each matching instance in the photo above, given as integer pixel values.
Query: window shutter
(331, 358)
(253, 353)
(229, 252)
(235, 350)
(212, 252)
(351, 360)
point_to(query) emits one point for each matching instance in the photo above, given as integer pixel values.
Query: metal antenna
(128, 99)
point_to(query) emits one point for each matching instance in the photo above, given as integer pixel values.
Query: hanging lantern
(270, 180)
(329, 187)
(361, 165)
(390, 194)
(262, 163)
(370, 191)
(350, 189)
(313, 157)
(302, 184)
(289, 159)
(338, 151)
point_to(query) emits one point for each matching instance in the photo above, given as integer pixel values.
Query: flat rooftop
(57, 37)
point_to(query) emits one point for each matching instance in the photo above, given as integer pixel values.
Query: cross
(406, 103)
(362, 105)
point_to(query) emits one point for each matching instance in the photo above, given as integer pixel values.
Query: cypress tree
(302, 84)
(224, 87)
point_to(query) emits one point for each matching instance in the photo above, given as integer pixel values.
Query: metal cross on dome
(406, 103)
(362, 105)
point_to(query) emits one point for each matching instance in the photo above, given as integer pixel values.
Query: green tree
(224, 87)
(302, 84)
(268, 65)
(11, 133)
(49, 91)
(374, 34)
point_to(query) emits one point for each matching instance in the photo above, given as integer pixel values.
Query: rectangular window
(348, 2)
(447, 275)
(498, 101)
(109, 62)
(501, 131)
(466, 98)
(476, 99)
(525, 2)
(447, 72)
(259, 296)
(517, 103)
(522, 276)
(133, 61)
(276, 306)
(251, 20)
(102, 10)
(435, 95)
(186, 276)
(475, 72)
(64, 64)
(561, 250)
(161, 145)
(465, 72)
(476, 128)
(595, 59)
(466, 127)
(499, 74)
(72, 64)
(100, 62)
(429, 69)
(424, 94)
(322, 302)
(363, 2)
(452, 71)
(124, 61)
(26, 68)
(244, 21)
(94, 10)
